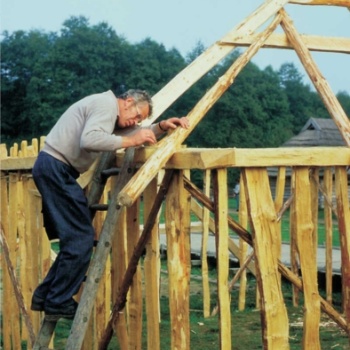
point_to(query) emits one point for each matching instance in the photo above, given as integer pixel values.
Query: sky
(181, 24)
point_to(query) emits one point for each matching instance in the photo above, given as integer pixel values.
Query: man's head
(134, 107)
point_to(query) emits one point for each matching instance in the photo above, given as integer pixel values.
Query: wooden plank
(33, 238)
(243, 247)
(264, 231)
(204, 247)
(135, 292)
(314, 174)
(294, 257)
(14, 163)
(119, 264)
(177, 218)
(312, 42)
(345, 3)
(332, 104)
(221, 228)
(328, 222)
(341, 190)
(14, 150)
(308, 264)
(13, 251)
(278, 202)
(208, 59)
(21, 225)
(3, 151)
(200, 158)
(169, 144)
(152, 273)
(189, 158)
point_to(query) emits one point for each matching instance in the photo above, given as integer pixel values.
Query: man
(97, 123)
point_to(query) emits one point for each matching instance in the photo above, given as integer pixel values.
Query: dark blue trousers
(67, 217)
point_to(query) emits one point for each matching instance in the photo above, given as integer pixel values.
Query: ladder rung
(100, 207)
(105, 174)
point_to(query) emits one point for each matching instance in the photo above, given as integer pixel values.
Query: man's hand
(139, 138)
(173, 123)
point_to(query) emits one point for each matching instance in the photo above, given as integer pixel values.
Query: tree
(299, 95)
(24, 58)
(152, 66)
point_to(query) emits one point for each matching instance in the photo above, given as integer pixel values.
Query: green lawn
(245, 325)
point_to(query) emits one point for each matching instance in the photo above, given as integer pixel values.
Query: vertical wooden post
(279, 196)
(264, 231)
(293, 241)
(33, 239)
(135, 292)
(6, 287)
(304, 231)
(328, 188)
(243, 220)
(178, 254)
(204, 248)
(152, 273)
(314, 173)
(12, 242)
(119, 263)
(341, 190)
(221, 228)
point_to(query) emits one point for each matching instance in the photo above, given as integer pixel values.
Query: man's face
(131, 114)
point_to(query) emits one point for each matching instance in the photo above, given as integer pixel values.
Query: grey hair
(139, 96)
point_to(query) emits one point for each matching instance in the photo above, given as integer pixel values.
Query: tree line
(43, 73)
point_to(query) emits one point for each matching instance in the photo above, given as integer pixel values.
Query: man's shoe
(38, 303)
(53, 313)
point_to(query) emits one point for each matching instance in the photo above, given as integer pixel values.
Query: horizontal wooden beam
(312, 42)
(17, 163)
(345, 3)
(210, 158)
(200, 158)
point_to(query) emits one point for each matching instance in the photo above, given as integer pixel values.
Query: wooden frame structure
(123, 209)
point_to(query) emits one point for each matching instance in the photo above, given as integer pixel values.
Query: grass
(245, 325)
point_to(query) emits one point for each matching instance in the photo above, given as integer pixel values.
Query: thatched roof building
(317, 132)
